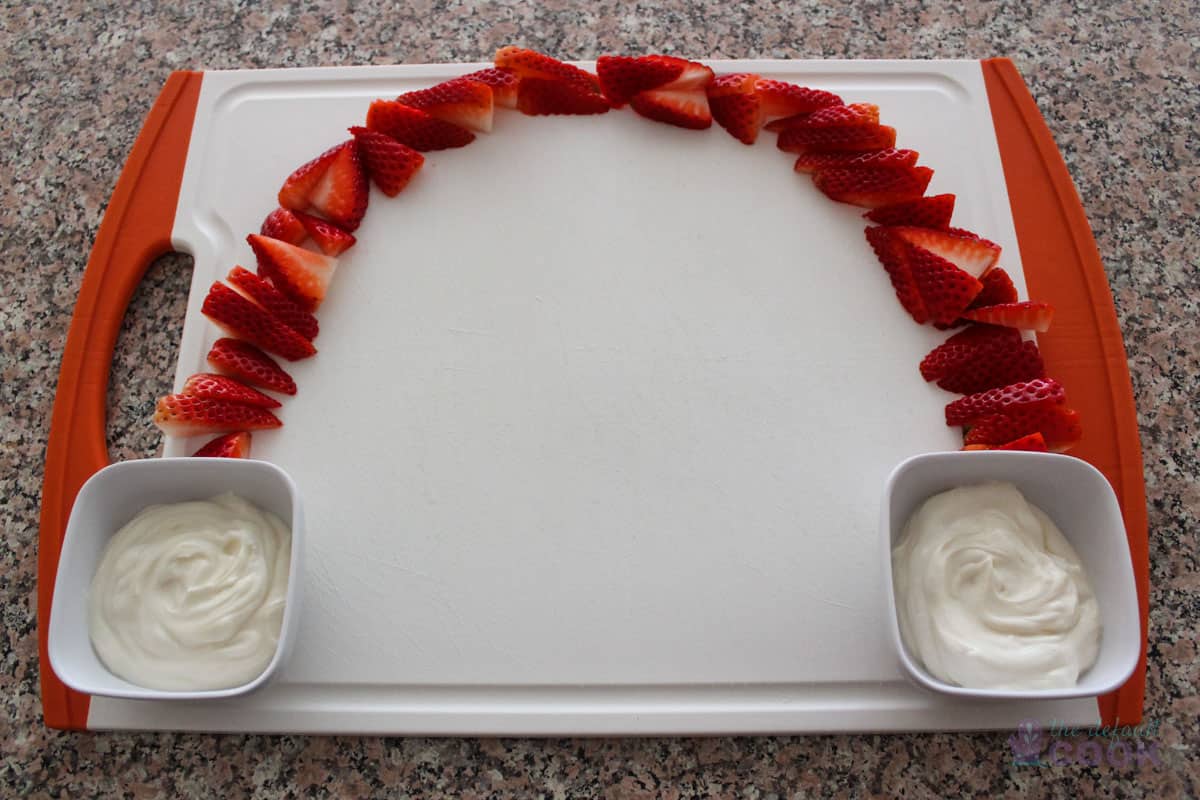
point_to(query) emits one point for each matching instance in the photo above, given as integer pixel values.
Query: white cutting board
(598, 430)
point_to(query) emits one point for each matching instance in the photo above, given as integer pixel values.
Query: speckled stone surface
(1117, 84)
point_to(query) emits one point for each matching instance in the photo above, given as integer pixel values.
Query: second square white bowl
(1082, 504)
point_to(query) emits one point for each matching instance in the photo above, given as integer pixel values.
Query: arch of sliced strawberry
(941, 275)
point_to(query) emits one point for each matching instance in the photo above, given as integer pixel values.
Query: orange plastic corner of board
(135, 230)
(1084, 348)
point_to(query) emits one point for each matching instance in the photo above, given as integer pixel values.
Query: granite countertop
(1117, 85)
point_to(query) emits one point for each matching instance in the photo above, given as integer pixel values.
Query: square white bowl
(1080, 501)
(111, 498)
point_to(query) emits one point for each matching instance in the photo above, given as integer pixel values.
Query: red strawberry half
(231, 445)
(1034, 442)
(1058, 425)
(781, 99)
(694, 75)
(969, 252)
(532, 64)
(461, 101)
(873, 186)
(1025, 394)
(333, 185)
(222, 387)
(837, 139)
(924, 212)
(893, 254)
(301, 274)
(735, 105)
(303, 181)
(684, 108)
(832, 116)
(1026, 315)
(541, 97)
(963, 346)
(250, 365)
(185, 415)
(996, 367)
(274, 301)
(503, 83)
(282, 224)
(389, 163)
(944, 288)
(975, 361)
(415, 128)
(332, 240)
(621, 77)
(890, 157)
(997, 289)
(250, 321)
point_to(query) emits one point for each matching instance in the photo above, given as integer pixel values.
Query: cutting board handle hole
(147, 348)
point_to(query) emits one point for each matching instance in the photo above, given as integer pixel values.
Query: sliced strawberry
(503, 83)
(231, 445)
(341, 195)
(893, 253)
(332, 240)
(975, 361)
(997, 367)
(621, 77)
(282, 224)
(263, 292)
(952, 354)
(301, 184)
(185, 415)
(832, 116)
(1026, 316)
(735, 105)
(837, 139)
(300, 274)
(414, 128)
(945, 289)
(250, 365)
(389, 163)
(1025, 394)
(1034, 442)
(684, 108)
(532, 64)
(924, 212)
(540, 97)
(694, 76)
(890, 157)
(972, 255)
(334, 187)
(873, 186)
(781, 99)
(250, 321)
(461, 101)
(222, 387)
(1058, 425)
(997, 289)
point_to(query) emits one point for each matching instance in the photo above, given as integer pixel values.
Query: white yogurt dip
(990, 595)
(190, 596)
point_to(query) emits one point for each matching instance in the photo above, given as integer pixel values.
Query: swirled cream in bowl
(178, 579)
(1008, 575)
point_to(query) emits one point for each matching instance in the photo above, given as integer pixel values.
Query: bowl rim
(908, 661)
(65, 670)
